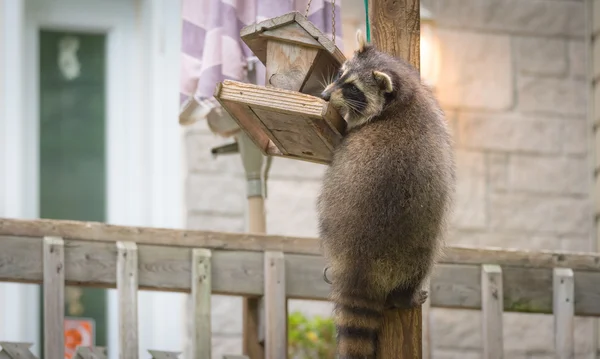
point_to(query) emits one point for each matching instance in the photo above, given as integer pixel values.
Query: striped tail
(358, 320)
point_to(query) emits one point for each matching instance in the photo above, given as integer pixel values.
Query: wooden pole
(252, 160)
(395, 29)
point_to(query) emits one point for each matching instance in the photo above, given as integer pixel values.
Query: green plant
(310, 338)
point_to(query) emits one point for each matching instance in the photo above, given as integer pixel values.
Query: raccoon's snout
(326, 95)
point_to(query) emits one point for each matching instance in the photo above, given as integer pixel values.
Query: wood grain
(395, 30)
(492, 307)
(275, 306)
(54, 297)
(127, 288)
(13, 350)
(299, 125)
(164, 268)
(284, 28)
(106, 233)
(90, 353)
(288, 65)
(400, 336)
(564, 313)
(252, 318)
(160, 354)
(201, 308)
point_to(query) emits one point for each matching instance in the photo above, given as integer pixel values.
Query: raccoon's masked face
(361, 88)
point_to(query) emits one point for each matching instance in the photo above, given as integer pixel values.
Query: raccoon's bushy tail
(358, 319)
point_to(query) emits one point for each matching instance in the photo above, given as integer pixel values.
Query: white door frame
(144, 147)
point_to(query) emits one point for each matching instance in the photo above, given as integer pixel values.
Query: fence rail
(276, 268)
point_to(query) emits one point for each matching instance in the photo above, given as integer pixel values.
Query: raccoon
(385, 197)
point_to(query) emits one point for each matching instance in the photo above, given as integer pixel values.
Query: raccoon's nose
(325, 95)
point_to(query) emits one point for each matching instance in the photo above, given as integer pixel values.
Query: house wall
(513, 85)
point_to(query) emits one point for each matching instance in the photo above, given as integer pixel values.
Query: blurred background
(90, 96)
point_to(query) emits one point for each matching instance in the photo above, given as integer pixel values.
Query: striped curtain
(212, 50)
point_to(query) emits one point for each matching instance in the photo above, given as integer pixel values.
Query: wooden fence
(275, 268)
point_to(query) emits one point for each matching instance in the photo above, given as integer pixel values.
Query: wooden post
(275, 304)
(201, 303)
(252, 160)
(127, 289)
(492, 309)
(395, 29)
(563, 304)
(54, 297)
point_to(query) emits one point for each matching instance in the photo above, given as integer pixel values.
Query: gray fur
(386, 197)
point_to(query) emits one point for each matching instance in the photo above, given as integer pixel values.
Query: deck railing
(276, 268)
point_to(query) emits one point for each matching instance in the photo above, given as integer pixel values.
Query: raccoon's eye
(352, 88)
(337, 75)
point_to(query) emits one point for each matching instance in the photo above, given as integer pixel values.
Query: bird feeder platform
(286, 118)
(282, 122)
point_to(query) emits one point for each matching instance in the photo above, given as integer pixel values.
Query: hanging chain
(307, 7)
(333, 21)
(332, 17)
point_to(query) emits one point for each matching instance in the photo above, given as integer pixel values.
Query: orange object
(78, 332)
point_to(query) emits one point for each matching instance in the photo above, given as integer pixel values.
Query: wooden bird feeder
(285, 117)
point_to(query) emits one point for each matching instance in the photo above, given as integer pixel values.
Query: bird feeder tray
(285, 117)
(281, 122)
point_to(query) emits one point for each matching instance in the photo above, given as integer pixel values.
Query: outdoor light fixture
(429, 49)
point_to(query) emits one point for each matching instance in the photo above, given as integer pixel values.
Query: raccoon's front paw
(405, 299)
(419, 298)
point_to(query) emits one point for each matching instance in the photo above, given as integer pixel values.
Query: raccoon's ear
(362, 42)
(384, 81)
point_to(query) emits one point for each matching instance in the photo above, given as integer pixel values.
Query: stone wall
(513, 86)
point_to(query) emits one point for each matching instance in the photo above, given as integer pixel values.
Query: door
(90, 101)
(72, 155)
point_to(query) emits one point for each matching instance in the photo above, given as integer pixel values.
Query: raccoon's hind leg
(358, 315)
(406, 298)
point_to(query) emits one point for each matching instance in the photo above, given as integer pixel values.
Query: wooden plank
(160, 354)
(288, 65)
(271, 98)
(127, 288)
(14, 350)
(523, 258)
(293, 33)
(241, 273)
(201, 291)
(54, 297)
(275, 306)
(243, 116)
(91, 353)
(254, 35)
(101, 232)
(492, 309)
(564, 313)
(297, 124)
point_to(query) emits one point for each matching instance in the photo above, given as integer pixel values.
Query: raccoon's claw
(406, 299)
(420, 297)
(325, 275)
